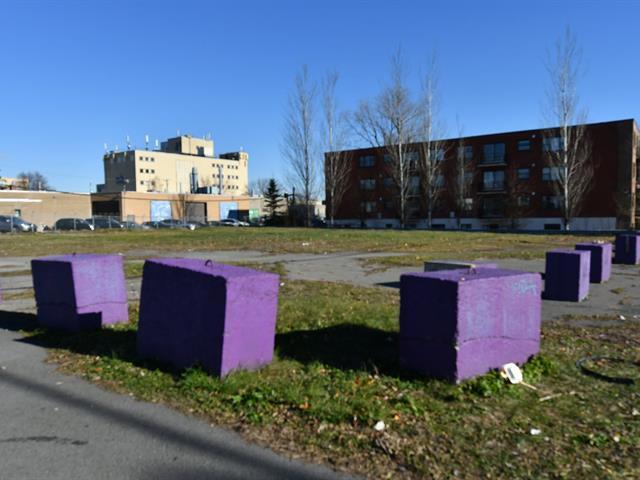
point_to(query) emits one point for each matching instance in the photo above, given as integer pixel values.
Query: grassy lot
(335, 376)
(424, 244)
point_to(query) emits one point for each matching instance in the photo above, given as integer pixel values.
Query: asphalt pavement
(54, 426)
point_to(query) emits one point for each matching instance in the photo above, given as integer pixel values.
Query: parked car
(15, 224)
(104, 222)
(171, 223)
(134, 226)
(72, 224)
(232, 222)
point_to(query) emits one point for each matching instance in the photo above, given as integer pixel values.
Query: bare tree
(299, 144)
(35, 180)
(257, 187)
(390, 121)
(567, 147)
(337, 162)
(432, 148)
(463, 176)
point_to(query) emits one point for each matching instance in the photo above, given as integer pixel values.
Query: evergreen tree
(273, 198)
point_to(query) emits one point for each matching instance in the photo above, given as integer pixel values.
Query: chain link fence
(62, 223)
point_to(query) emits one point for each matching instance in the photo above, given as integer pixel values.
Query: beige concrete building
(182, 164)
(44, 208)
(142, 207)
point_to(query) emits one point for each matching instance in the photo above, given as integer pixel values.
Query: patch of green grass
(336, 374)
(133, 269)
(283, 240)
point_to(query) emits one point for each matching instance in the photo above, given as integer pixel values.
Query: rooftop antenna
(146, 141)
(116, 148)
(106, 148)
(177, 133)
(128, 143)
(157, 144)
(208, 136)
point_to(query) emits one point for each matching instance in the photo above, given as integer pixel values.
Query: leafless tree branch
(568, 147)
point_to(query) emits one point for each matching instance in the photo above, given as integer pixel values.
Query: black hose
(607, 378)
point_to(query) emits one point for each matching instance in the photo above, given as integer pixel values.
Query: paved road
(59, 427)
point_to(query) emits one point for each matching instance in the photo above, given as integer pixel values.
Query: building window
(153, 171)
(550, 174)
(524, 174)
(493, 181)
(468, 178)
(153, 159)
(367, 184)
(524, 145)
(368, 207)
(465, 152)
(439, 181)
(146, 170)
(367, 161)
(141, 182)
(388, 182)
(493, 153)
(388, 205)
(468, 204)
(524, 201)
(551, 202)
(387, 158)
(438, 154)
(553, 144)
(412, 158)
(493, 207)
(414, 185)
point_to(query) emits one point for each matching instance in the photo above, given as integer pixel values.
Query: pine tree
(273, 198)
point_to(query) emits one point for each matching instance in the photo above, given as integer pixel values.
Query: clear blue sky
(77, 74)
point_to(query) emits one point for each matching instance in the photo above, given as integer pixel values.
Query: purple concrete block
(567, 275)
(195, 312)
(458, 324)
(600, 267)
(80, 292)
(628, 248)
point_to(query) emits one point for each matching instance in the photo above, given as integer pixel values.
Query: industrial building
(505, 170)
(143, 207)
(183, 164)
(43, 208)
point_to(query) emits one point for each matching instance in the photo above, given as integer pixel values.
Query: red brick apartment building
(510, 184)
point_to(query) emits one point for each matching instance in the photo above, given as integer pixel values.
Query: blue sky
(75, 75)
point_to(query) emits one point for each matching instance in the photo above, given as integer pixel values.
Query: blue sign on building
(160, 210)
(228, 210)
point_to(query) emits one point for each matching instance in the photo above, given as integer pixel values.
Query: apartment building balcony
(492, 187)
(492, 213)
(497, 160)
